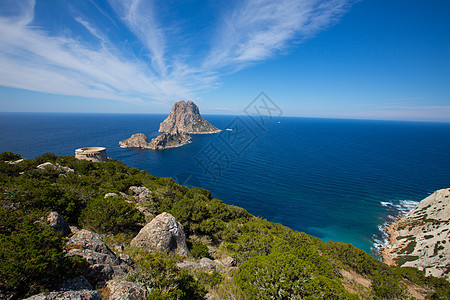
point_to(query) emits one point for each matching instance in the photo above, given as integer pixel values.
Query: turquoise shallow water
(335, 179)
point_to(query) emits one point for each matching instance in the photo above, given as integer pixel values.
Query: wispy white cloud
(259, 29)
(34, 59)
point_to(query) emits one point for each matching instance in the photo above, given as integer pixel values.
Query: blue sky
(371, 59)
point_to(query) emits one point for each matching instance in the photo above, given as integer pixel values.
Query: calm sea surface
(334, 179)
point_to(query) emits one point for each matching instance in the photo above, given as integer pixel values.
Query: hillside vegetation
(270, 261)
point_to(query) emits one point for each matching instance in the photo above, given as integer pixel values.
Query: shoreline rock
(385, 254)
(422, 238)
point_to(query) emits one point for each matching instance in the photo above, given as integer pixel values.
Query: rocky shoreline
(390, 230)
(422, 238)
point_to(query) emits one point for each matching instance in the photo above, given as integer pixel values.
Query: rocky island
(422, 238)
(184, 119)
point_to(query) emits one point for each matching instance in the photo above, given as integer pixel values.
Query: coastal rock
(228, 261)
(163, 233)
(185, 117)
(143, 196)
(206, 263)
(67, 295)
(137, 140)
(141, 192)
(422, 238)
(104, 264)
(211, 251)
(56, 167)
(188, 265)
(111, 195)
(58, 224)
(76, 284)
(121, 289)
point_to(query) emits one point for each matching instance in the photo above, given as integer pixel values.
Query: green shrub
(112, 214)
(8, 156)
(199, 250)
(166, 280)
(190, 213)
(285, 276)
(32, 259)
(212, 279)
(353, 257)
(385, 287)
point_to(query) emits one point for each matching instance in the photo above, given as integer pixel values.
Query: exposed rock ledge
(422, 238)
(184, 119)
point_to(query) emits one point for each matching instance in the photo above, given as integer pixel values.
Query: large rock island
(184, 119)
(422, 238)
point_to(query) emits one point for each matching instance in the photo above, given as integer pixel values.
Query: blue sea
(332, 178)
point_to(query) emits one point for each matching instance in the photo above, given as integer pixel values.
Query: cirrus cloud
(125, 50)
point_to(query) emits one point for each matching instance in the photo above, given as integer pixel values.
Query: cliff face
(185, 117)
(422, 238)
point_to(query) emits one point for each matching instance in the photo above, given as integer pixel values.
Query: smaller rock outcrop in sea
(137, 140)
(162, 141)
(184, 119)
(162, 234)
(422, 238)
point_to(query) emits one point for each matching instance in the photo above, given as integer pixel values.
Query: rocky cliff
(422, 238)
(185, 117)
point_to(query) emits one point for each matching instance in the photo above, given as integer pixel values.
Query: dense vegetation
(273, 261)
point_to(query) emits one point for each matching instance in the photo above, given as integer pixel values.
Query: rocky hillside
(185, 117)
(422, 238)
(86, 230)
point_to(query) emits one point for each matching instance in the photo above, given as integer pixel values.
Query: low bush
(166, 280)
(32, 260)
(112, 214)
(199, 250)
